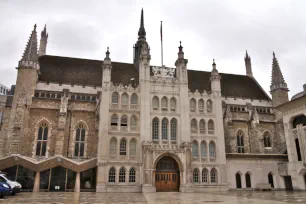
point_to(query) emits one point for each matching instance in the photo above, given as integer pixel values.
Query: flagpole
(161, 38)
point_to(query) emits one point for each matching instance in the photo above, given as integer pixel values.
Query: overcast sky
(208, 29)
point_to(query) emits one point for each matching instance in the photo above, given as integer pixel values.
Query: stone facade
(136, 115)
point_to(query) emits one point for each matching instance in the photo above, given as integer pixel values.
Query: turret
(278, 88)
(43, 42)
(248, 65)
(215, 79)
(181, 65)
(107, 68)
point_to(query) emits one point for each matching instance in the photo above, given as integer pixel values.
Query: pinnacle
(277, 76)
(30, 53)
(141, 31)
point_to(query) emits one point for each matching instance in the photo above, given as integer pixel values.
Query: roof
(89, 72)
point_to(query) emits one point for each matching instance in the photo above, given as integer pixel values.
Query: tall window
(267, 139)
(115, 98)
(122, 175)
(238, 180)
(79, 145)
(42, 140)
(194, 126)
(123, 147)
(205, 176)
(134, 99)
(213, 176)
(209, 106)
(201, 105)
(195, 176)
(123, 123)
(270, 179)
(113, 146)
(165, 129)
(298, 150)
(155, 127)
(212, 150)
(133, 147)
(172, 104)
(112, 175)
(202, 126)
(173, 129)
(195, 150)
(193, 105)
(155, 103)
(248, 180)
(203, 149)
(132, 175)
(125, 99)
(133, 122)
(240, 142)
(114, 121)
(164, 103)
(211, 128)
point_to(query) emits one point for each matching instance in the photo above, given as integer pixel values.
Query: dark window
(270, 179)
(248, 180)
(298, 151)
(42, 140)
(79, 141)
(299, 120)
(240, 142)
(132, 175)
(238, 180)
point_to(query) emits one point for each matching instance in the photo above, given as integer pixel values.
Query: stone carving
(164, 72)
(228, 115)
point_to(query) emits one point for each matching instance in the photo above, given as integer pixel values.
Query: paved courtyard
(231, 197)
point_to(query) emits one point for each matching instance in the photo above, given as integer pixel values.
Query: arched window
(112, 175)
(209, 106)
(194, 126)
(164, 103)
(195, 151)
(134, 99)
(124, 99)
(114, 121)
(201, 105)
(113, 146)
(270, 179)
(42, 140)
(195, 176)
(172, 104)
(212, 150)
(36, 94)
(124, 123)
(204, 175)
(203, 149)
(115, 98)
(301, 119)
(202, 126)
(133, 122)
(123, 147)
(53, 95)
(133, 147)
(193, 105)
(122, 175)
(132, 175)
(155, 103)
(238, 180)
(79, 143)
(211, 127)
(298, 150)
(42, 95)
(165, 129)
(240, 142)
(173, 129)
(267, 139)
(213, 176)
(155, 127)
(248, 180)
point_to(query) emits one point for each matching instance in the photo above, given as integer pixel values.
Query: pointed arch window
(133, 147)
(201, 105)
(238, 180)
(132, 175)
(195, 176)
(155, 103)
(125, 99)
(211, 127)
(133, 122)
(123, 147)
(193, 105)
(202, 126)
(205, 176)
(195, 150)
(112, 175)
(172, 104)
(114, 121)
(194, 126)
(209, 106)
(270, 179)
(173, 129)
(267, 139)
(248, 180)
(42, 139)
(203, 149)
(122, 175)
(240, 142)
(79, 143)
(213, 176)
(212, 150)
(115, 98)
(134, 99)
(113, 147)
(124, 123)
(164, 103)
(155, 128)
(165, 129)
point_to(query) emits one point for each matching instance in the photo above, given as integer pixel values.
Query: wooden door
(166, 181)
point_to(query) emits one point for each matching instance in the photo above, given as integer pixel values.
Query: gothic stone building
(99, 125)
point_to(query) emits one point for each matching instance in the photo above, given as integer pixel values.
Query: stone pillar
(77, 183)
(36, 183)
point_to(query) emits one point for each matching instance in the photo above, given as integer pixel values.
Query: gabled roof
(67, 70)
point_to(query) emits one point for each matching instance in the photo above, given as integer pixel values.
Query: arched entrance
(167, 175)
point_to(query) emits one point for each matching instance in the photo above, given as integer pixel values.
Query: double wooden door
(167, 181)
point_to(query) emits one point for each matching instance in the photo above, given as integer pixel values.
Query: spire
(44, 32)
(30, 53)
(43, 42)
(248, 65)
(214, 72)
(141, 31)
(214, 66)
(107, 54)
(180, 53)
(277, 79)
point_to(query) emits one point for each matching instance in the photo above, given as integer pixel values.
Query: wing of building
(105, 126)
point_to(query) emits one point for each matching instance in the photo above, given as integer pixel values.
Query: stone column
(36, 183)
(77, 183)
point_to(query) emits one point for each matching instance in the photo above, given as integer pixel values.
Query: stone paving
(231, 197)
